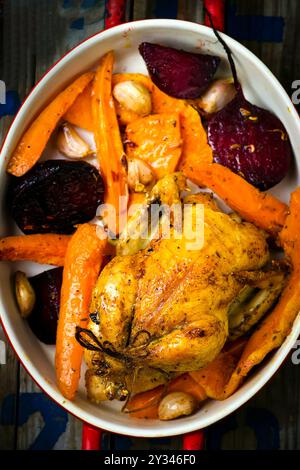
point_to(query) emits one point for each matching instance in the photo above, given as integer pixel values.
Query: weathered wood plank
(274, 413)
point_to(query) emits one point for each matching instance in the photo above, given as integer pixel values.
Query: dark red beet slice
(43, 319)
(178, 73)
(250, 141)
(55, 196)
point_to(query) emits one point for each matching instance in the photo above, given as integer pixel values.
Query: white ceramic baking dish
(260, 86)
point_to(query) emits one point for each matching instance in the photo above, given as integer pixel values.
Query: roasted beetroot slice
(43, 318)
(251, 141)
(55, 196)
(179, 73)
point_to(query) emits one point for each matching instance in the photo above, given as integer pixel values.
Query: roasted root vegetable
(157, 140)
(80, 113)
(185, 383)
(251, 141)
(43, 249)
(33, 142)
(262, 209)
(178, 73)
(194, 139)
(145, 405)
(82, 265)
(289, 236)
(109, 145)
(44, 316)
(213, 378)
(55, 196)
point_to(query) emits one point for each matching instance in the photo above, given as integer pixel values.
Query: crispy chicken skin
(164, 309)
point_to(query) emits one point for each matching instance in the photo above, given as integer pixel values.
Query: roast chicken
(163, 310)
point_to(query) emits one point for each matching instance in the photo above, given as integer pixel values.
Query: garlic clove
(176, 404)
(217, 96)
(134, 97)
(25, 294)
(139, 174)
(70, 144)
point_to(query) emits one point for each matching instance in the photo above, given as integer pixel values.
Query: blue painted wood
(55, 418)
(257, 28)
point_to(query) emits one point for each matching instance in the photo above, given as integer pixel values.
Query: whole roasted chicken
(163, 310)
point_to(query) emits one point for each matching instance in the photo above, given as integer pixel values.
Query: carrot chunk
(157, 140)
(80, 113)
(194, 139)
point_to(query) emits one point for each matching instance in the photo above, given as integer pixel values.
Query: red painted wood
(91, 437)
(217, 10)
(193, 441)
(114, 12)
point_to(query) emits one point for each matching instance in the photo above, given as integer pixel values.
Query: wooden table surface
(34, 34)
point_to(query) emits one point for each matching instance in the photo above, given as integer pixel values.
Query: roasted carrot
(108, 140)
(262, 209)
(144, 405)
(194, 139)
(289, 236)
(213, 378)
(186, 383)
(47, 248)
(33, 142)
(157, 140)
(80, 113)
(82, 265)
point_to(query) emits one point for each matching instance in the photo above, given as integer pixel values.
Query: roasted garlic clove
(139, 174)
(217, 95)
(70, 143)
(25, 294)
(176, 404)
(134, 97)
